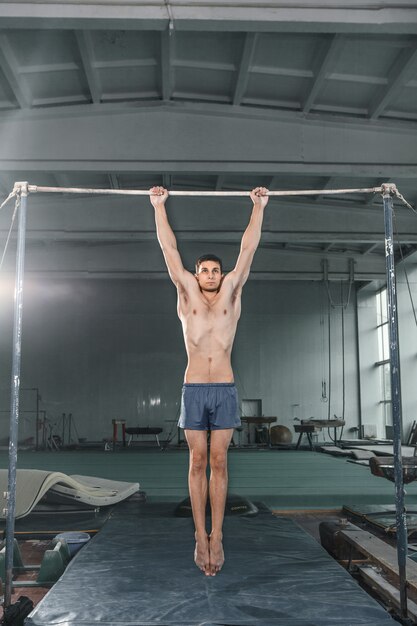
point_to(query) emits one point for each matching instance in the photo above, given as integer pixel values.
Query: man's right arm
(166, 237)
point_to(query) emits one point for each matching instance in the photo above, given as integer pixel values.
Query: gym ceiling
(209, 95)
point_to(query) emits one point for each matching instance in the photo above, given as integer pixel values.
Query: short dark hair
(208, 257)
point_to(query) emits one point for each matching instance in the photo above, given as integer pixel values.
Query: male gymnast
(209, 305)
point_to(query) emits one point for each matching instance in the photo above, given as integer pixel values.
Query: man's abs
(203, 368)
(209, 329)
(208, 340)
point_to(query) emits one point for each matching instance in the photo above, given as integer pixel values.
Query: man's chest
(220, 312)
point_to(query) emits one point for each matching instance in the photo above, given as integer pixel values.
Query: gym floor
(282, 479)
(307, 487)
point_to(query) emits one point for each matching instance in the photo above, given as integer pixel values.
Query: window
(384, 363)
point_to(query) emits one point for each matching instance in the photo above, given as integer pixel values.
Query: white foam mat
(32, 485)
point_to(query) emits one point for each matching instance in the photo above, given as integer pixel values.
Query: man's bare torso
(208, 307)
(209, 328)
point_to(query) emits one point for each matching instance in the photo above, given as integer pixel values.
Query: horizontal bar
(146, 192)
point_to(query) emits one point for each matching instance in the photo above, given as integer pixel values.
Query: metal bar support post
(21, 199)
(401, 520)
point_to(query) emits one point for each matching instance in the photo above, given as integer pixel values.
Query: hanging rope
(342, 304)
(343, 357)
(323, 350)
(17, 204)
(413, 308)
(401, 197)
(9, 197)
(329, 343)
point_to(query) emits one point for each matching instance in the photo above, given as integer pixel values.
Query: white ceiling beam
(357, 16)
(356, 78)
(167, 45)
(406, 116)
(136, 96)
(209, 98)
(9, 66)
(127, 256)
(291, 72)
(86, 50)
(325, 59)
(255, 168)
(326, 240)
(122, 63)
(403, 68)
(194, 142)
(214, 109)
(48, 67)
(65, 229)
(277, 275)
(244, 67)
(204, 65)
(49, 103)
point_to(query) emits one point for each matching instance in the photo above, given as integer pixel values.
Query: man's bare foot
(216, 553)
(201, 553)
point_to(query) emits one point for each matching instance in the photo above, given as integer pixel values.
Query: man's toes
(202, 566)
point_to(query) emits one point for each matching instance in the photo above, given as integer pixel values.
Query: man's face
(209, 276)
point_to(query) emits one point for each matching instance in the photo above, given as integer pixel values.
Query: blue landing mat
(139, 571)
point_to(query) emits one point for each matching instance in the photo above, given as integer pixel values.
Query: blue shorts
(209, 406)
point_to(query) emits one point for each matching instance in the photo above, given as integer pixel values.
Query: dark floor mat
(139, 571)
(46, 522)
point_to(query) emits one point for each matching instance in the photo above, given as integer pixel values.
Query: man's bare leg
(219, 444)
(197, 484)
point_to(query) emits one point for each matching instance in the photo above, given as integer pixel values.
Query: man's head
(208, 271)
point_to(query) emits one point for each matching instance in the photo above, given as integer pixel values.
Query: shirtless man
(209, 309)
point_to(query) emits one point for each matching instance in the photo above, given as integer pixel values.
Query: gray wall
(281, 352)
(106, 349)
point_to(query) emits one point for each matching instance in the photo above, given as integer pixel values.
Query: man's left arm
(251, 237)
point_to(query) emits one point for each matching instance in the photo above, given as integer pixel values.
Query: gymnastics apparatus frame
(21, 191)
